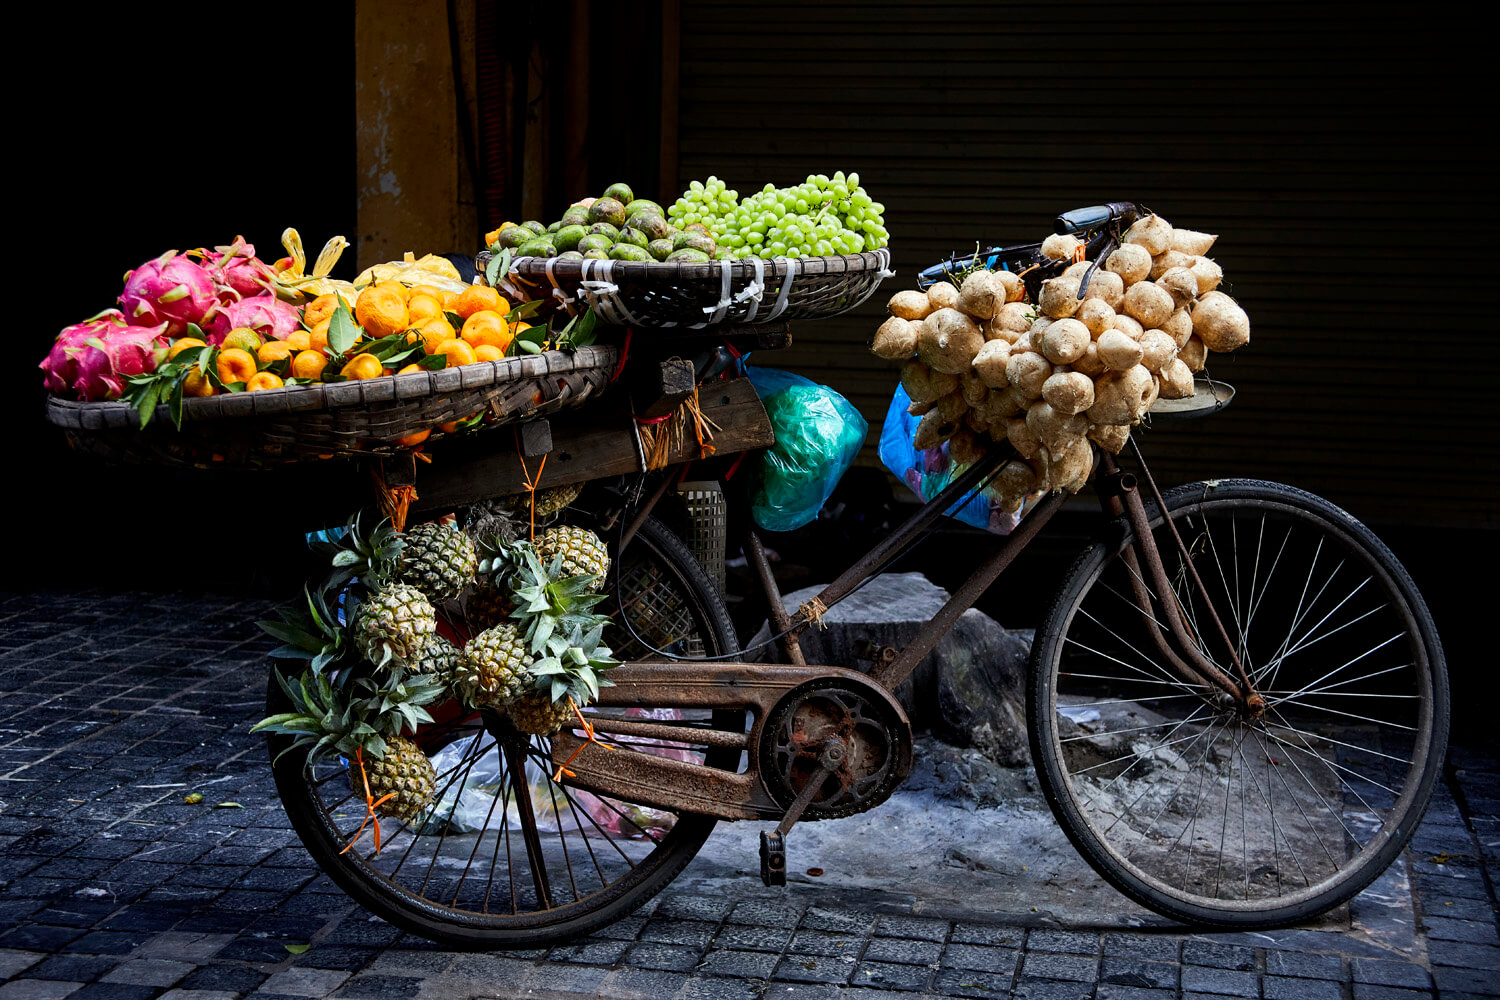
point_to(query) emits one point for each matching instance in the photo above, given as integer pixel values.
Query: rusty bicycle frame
(755, 687)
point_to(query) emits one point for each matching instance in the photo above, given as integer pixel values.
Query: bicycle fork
(1119, 495)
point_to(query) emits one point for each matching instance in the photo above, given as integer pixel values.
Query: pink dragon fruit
(265, 314)
(60, 366)
(171, 289)
(94, 358)
(237, 273)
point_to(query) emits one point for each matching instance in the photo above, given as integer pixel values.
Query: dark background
(1336, 147)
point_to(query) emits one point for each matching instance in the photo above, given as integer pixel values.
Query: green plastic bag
(818, 433)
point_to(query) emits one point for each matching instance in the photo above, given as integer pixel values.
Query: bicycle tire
(675, 607)
(1332, 779)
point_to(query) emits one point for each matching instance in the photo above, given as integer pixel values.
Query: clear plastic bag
(818, 434)
(929, 471)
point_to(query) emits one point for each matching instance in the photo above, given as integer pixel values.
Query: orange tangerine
(422, 307)
(181, 344)
(243, 338)
(299, 340)
(363, 366)
(516, 328)
(434, 332)
(488, 352)
(476, 297)
(236, 365)
(273, 351)
(317, 337)
(197, 384)
(409, 369)
(381, 310)
(309, 364)
(458, 352)
(416, 437)
(487, 327)
(431, 290)
(320, 308)
(263, 380)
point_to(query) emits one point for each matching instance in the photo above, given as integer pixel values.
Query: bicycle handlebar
(1097, 215)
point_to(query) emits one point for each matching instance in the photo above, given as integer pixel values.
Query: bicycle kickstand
(773, 844)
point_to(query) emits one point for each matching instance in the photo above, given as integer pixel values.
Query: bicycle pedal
(772, 858)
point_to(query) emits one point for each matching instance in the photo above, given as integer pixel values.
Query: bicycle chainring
(872, 726)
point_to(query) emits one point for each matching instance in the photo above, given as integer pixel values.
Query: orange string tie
(1022, 274)
(1079, 253)
(531, 483)
(371, 804)
(562, 769)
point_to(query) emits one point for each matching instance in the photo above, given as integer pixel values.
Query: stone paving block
(1110, 991)
(693, 933)
(922, 928)
(37, 989)
(891, 975)
(590, 952)
(1047, 965)
(748, 938)
(1154, 947)
(726, 989)
(1450, 979)
(762, 913)
(38, 937)
(1371, 991)
(821, 991)
(980, 958)
(740, 964)
(624, 929)
(148, 972)
(109, 942)
(337, 956)
(827, 918)
(1470, 931)
(1404, 974)
(823, 943)
(183, 946)
(971, 983)
(997, 935)
(814, 969)
(655, 955)
(180, 994)
(1225, 982)
(1459, 909)
(303, 982)
(1469, 956)
(73, 968)
(1067, 942)
(710, 908)
(1303, 964)
(1051, 989)
(638, 984)
(1217, 955)
(1284, 988)
(116, 991)
(376, 986)
(223, 979)
(904, 951)
(1139, 973)
(14, 960)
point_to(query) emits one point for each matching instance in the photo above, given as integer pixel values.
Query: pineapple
(568, 675)
(404, 770)
(488, 602)
(364, 719)
(549, 502)
(438, 559)
(372, 557)
(581, 552)
(491, 667)
(393, 624)
(439, 660)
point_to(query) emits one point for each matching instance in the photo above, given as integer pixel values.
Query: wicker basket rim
(279, 402)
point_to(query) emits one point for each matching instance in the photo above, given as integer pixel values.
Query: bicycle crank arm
(642, 766)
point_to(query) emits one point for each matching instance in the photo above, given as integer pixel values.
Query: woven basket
(659, 295)
(342, 420)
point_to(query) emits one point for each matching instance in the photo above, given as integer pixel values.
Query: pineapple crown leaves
(373, 557)
(547, 603)
(311, 632)
(574, 664)
(362, 717)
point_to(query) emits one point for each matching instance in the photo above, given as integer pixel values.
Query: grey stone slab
(891, 976)
(694, 933)
(14, 960)
(1285, 988)
(827, 918)
(303, 982)
(710, 908)
(740, 964)
(1451, 979)
(751, 938)
(38, 989)
(1120, 971)
(149, 972)
(971, 983)
(1226, 982)
(980, 958)
(905, 951)
(1048, 965)
(590, 952)
(1066, 942)
(655, 955)
(1405, 974)
(1051, 989)
(181, 994)
(923, 928)
(1469, 956)
(721, 989)
(760, 912)
(1304, 965)
(184, 946)
(1370, 991)
(1154, 947)
(376, 986)
(822, 943)
(1218, 956)
(639, 984)
(997, 935)
(814, 969)
(1470, 931)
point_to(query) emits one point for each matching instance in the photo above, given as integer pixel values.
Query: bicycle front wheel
(1195, 808)
(510, 857)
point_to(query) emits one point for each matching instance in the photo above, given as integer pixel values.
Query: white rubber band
(606, 272)
(755, 290)
(786, 287)
(885, 264)
(716, 313)
(557, 291)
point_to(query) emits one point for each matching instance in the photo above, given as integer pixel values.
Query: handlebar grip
(1096, 215)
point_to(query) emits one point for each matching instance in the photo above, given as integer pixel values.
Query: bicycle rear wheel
(1187, 804)
(526, 861)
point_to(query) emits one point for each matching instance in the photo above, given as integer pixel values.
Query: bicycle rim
(527, 860)
(1195, 808)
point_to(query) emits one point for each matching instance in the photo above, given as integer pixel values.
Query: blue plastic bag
(818, 433)
(929, 471)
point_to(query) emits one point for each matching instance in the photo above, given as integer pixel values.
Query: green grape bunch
(820, 217)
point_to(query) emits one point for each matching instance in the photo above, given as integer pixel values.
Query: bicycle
(1237, 708)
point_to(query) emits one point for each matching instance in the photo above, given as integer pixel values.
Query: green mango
(537, 248)
(607, 229)
(607, 210)
(634, 237)
(513, 237)
(629, 251)
(689, 240)
(659, 248)
(535, 226)
(576, 216)
(643, 205)
(570, 255)
(620, 192)
(594, 241)
(687, 255)
(567, 237)
(596, 255)
(650, 223)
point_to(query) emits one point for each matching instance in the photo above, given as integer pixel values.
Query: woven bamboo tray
(341, 420)
(660, 295)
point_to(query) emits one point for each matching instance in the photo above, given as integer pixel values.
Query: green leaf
(174, 400)
(228, 805)
(454, 319)
(530, 347)
(499, 264)
(193, 798)
(342, 330)
(525, 310)
(434, 362)
(298, 949)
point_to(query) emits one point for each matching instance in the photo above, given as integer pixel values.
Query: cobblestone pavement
(112, 706)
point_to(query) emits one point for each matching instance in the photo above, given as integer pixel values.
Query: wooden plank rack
(594, 442)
